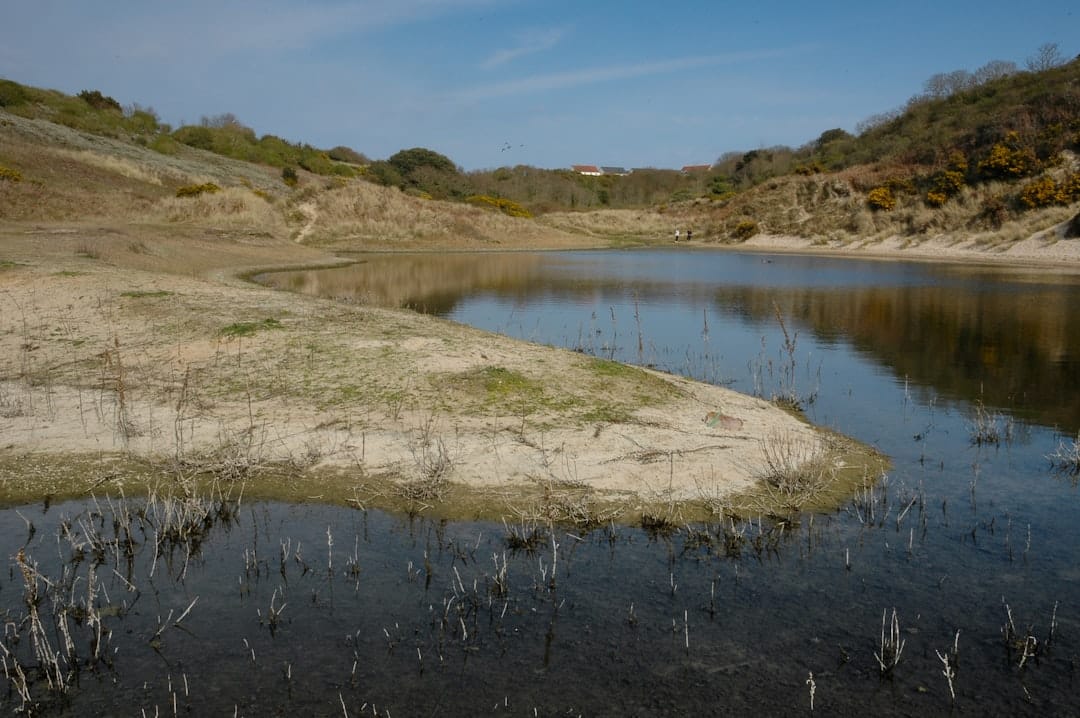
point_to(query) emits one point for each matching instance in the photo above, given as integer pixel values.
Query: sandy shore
(1046, 250)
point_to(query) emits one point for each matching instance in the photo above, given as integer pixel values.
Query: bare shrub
(794, 467)
(433, 466)
(989, 427)
(1066, 458)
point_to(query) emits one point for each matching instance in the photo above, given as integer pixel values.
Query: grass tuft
(247, 329)
(139, 294)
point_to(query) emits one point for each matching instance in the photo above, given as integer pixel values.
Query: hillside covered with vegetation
(993, 151)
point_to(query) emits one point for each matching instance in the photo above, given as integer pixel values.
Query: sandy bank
(1047, 250)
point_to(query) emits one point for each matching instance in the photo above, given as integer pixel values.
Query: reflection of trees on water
(1015, 348)
(435, 284)
(429, 283)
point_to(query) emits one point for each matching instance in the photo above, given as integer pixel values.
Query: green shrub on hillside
(382, 172)
(316, 162)
(164, 144)
(408, 161)
(142, 121)
(320, 163)
(194, 190)
(289, 176)
(225, 135)
(12, 93)
(194, 136)
(347, 154)
(98, 101)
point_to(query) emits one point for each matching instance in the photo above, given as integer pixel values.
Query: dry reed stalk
(892, 646)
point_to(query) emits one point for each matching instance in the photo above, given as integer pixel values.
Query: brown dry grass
(833, 209)
(358, 214)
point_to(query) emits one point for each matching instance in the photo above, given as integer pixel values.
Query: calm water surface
(315, 610)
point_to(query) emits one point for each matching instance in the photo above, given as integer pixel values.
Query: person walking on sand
(676, 234)
(689, 234)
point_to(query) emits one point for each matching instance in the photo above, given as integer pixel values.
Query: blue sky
(540, 82)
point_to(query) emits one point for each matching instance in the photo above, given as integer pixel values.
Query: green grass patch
(607, 414)
(247, 329)
(631, 382)
(503, 389)
(141, 293)
(68, 273)
(499, 382)
(605, 367)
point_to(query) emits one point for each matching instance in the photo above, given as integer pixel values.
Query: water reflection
(1003, 337)
(1008, 346)
(428, 283)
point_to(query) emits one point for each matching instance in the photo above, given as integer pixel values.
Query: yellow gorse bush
(506, 206)
(10, 175)
(881, 198)
(745, 229)
(1009, 159)
(936, 199)
(1045, 191)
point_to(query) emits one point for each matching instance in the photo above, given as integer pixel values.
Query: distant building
(591, 170)
(688, 169)
(620, 171)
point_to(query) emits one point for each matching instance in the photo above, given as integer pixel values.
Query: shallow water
(404, 616)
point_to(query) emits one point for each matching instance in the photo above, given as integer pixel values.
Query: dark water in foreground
(306, 609)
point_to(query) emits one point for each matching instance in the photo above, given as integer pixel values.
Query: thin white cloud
(528, 43)
(595, 75)
(157, 32)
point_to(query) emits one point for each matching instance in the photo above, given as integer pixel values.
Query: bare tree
(995, 70)
(878, 120)
(226, 119)
(936, 86)
(1048, 56)
(958, 81)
